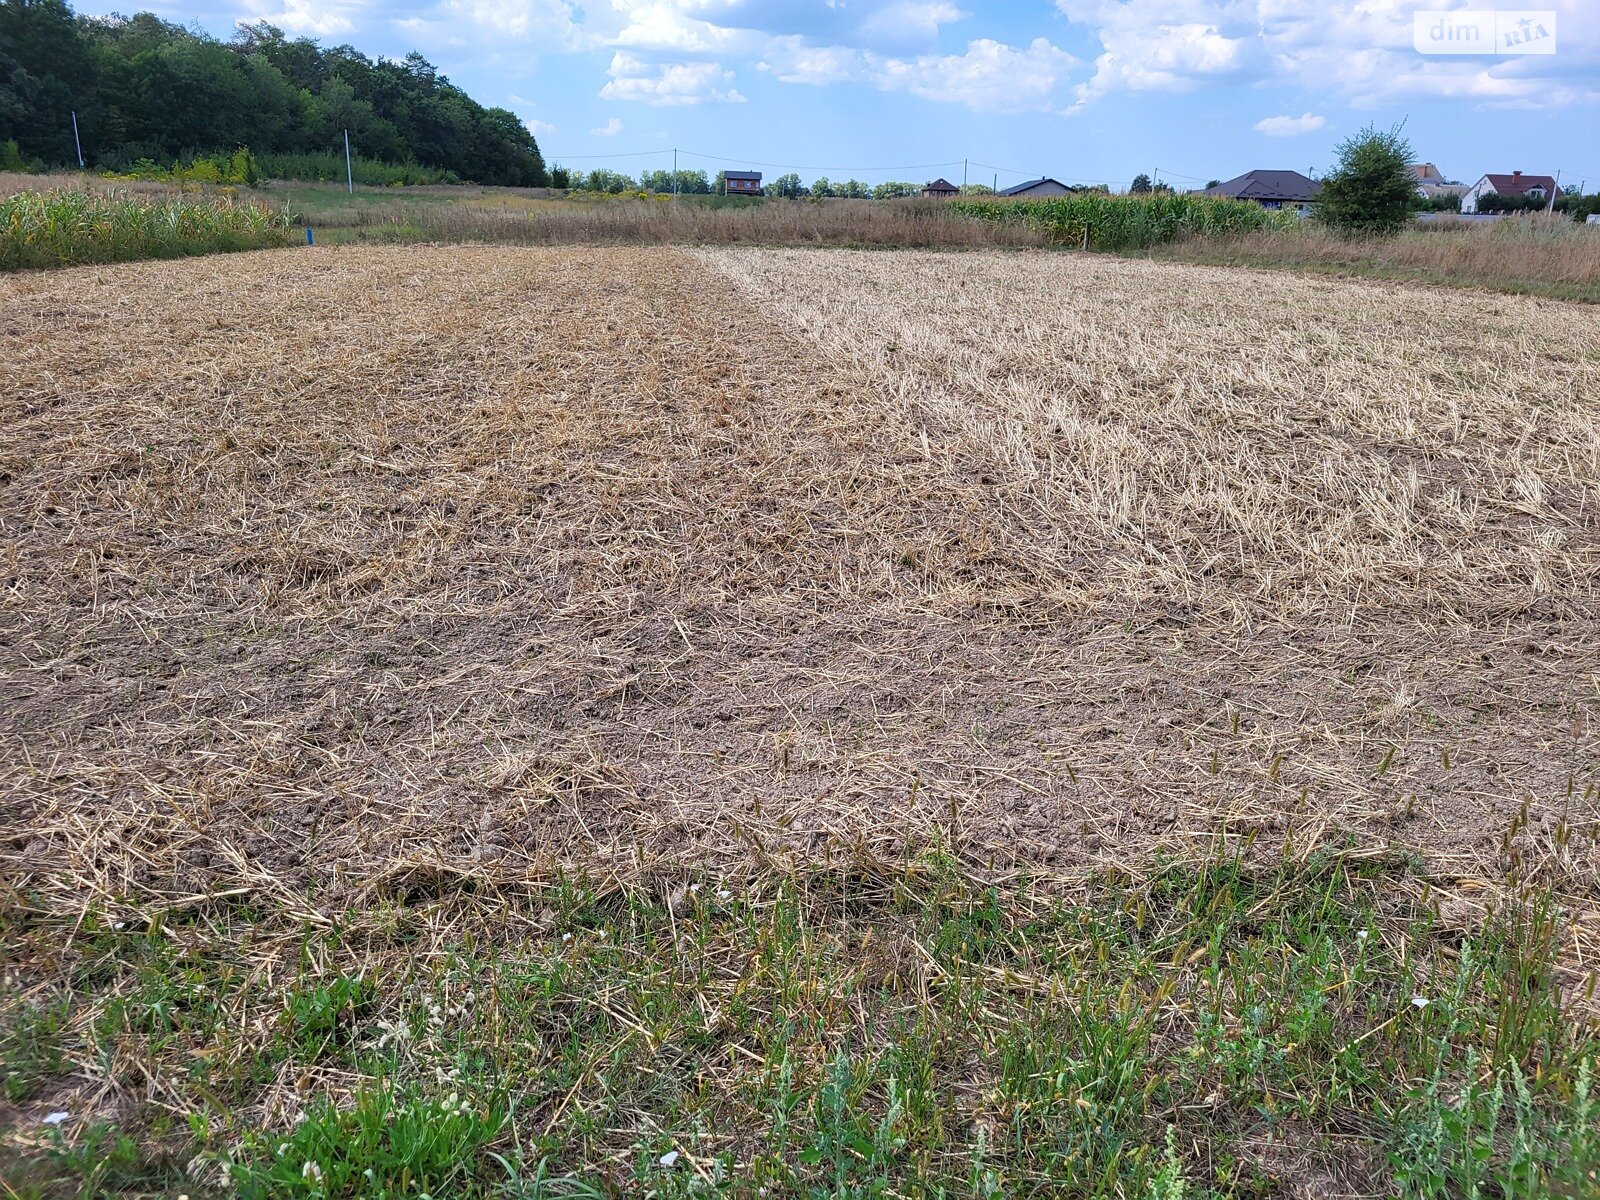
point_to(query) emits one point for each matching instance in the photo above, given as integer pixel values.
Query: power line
(751, 162)
(804, 167)
(558, 158)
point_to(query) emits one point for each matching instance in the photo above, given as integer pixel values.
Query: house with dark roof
(1535, 187)
(941, 189)
(1035, 188)
(741, 183)
(1271, 189)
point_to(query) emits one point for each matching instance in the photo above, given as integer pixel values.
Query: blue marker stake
(310, 241)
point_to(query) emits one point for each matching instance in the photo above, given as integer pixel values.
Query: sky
(1084, 91)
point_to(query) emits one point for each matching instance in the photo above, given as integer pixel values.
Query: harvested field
(516, 554)
(364, 579)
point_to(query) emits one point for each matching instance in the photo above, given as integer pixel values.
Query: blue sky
(1084, 90)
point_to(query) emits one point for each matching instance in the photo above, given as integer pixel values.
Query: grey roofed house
(1270, 189)
(742, 181)
(1038, 187)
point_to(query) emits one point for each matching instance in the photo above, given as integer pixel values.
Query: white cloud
(911, 19)
(1290, 126)
(1358, 49)
(610, 129)
(316, 18)
(988, 76)
(664, 84)
(519, 104)
(680, 26)
(551, 20)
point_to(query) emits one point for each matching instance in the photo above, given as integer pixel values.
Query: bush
(1372, 191)
(239, 167)
(329, 168)
(11, 157)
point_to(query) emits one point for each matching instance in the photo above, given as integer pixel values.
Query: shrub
(330, 168)
(1372, 191)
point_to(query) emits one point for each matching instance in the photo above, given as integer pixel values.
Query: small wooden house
(941, 189)
(741, 183)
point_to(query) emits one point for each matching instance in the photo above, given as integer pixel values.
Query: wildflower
(311, 1171)
(566, 937)
(1419, 1002)
(669, 1158)
(723, 893)
(1361, 935)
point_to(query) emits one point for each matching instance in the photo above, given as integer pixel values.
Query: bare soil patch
(366, 571)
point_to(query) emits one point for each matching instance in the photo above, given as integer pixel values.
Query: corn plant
(1128, 222)
(67, 228)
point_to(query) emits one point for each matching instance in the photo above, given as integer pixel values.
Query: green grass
(70, 228)
(1129, 222)
(1216, 1030)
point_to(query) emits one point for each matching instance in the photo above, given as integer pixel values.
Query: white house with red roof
(1537, 187)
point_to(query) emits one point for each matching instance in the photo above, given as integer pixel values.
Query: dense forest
(144, 88)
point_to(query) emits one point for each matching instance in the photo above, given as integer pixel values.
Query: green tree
(46, 73)
(788, 186)
(604, 179)
(1372, 190)
(895, 189)
(1140, 184)
(821, 189)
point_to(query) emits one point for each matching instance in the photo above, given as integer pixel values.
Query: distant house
(941, 189)
(1271, 189)
(1537, 187)
(741, 183)
(1038, 187)
(1432, 185)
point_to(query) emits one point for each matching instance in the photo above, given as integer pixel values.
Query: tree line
(698, 183)
(146, 89)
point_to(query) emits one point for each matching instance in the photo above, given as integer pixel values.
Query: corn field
(68, 228)
(1128, 222)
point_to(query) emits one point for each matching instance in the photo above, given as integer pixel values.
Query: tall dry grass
(860, 223)
(1547, 256)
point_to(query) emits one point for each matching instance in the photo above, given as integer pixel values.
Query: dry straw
(334, 575)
